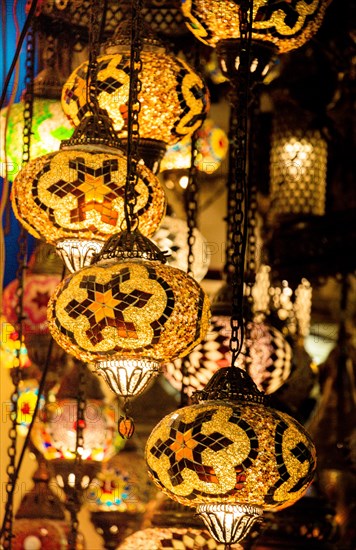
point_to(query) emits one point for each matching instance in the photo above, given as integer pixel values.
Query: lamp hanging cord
(6, 531)
(92, 74)
(191, 203)
(72, 502)
(239, 220)
(134, 107)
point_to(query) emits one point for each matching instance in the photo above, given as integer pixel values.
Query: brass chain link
(79, 448)
(16, 373)
(237, 209)
(134, 108)
(191, 203)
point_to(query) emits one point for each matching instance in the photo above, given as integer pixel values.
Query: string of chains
(237, 194)
(134, 107)
(251, 263)
(94, 33)
(73, 502)
(20, 275)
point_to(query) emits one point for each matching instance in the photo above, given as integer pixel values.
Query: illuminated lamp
(172, 235)
(75, 198)
(211, 144)
(231, 456)
(174, 99)
(127, 313)
(276, 28)
(49, 127)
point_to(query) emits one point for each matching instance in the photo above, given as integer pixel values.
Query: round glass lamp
(54, 433)
(285, 25)
(231, 456)
(276, 28)
(268, 358)
(75, 198)
(49, 127)
(174, 99)
(212, 146)
(128, 313)
(172, 236)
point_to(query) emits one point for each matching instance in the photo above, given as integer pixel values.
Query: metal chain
(231, 192)
(251, 263)
(79, 448)
(238, 194)
(191, 203)
(6, 534)
(134, 108)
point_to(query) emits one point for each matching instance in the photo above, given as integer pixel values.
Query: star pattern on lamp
(41, 299)
(94, 189)
(105, 305)
(184, 448)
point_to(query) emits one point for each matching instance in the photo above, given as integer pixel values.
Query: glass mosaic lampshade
(128, 313)
(298, 165)
(49, 127)
(276, 28)
(174, 99)
(212, 145)
(54, 434)
(268, 360)
(231, 456)
(285, 25)
(172, 236)
(75, 199)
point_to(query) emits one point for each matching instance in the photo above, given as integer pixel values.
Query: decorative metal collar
(230, 384)
(130, 245)
(94, 129)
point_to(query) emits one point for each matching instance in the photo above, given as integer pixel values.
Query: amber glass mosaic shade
(233, 453)
(128, 309)
(285, 24)
(174, 99)
(80, 194)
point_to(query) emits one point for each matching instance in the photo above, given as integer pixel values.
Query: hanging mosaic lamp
(174, 99)
(267, 355)
(119, 495)
(40, 520)
(268, 360)
(55, 431)
(231, 456)
(276, 28)
(49, 127)
(298, 164)
(75, 198)
(212, 145)
(172, 235)
(128, 312)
